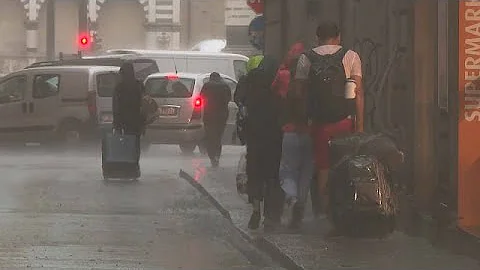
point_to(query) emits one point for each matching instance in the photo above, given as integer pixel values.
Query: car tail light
(92, 103)
(172, 77)
(198, 102)
(197, 108)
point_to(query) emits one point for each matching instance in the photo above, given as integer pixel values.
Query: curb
(259, 241)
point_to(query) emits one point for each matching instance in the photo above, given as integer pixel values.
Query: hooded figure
(216, 95)
(127, 102)
(264, 141)
(127, 112)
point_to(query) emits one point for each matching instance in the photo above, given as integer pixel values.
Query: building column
(150, 7)
(425, 80)
(31, 33)
(32, 8)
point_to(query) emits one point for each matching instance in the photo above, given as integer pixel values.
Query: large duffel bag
(120, 156)
(380, 145)
(361, 198)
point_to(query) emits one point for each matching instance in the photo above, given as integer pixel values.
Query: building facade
(133, 24)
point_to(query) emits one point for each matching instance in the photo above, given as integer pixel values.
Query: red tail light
(197, 108)
(198, 102)
(92, 104)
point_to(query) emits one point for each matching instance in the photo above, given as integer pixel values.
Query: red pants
(322, 134)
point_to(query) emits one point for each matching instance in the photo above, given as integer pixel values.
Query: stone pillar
(150, 7)
(32, 8)
(425, 78)
(31, 32)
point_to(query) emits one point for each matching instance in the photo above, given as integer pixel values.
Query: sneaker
(215, 162)
(298, 213)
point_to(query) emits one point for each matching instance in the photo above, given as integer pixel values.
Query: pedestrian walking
(127, 110)
(323, 72)
(240, 96)
(216, 95)
(264, 143)
(296, 166)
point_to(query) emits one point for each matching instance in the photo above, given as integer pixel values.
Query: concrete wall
(202, 19)
(12, 30)
(66, 26)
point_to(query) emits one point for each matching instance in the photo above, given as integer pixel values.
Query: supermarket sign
(256, 5)
(469, 113)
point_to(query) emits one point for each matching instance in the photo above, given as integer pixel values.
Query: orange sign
(469, 114)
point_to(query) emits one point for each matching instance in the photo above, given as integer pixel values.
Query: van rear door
(105, 83)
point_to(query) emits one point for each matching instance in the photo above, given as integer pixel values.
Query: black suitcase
(120, 156)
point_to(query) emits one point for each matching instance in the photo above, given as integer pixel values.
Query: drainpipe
(284, 26)
(189, 22)
(50, 8)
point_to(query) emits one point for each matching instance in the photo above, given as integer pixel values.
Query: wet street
(56, 212)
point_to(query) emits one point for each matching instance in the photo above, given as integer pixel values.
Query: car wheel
(188, 148)
(70, 133)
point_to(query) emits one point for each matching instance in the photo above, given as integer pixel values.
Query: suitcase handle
(122, 131)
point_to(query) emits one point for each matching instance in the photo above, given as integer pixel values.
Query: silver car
(181, 110)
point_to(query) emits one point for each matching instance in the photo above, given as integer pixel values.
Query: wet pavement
(57, 213)
(309, 248)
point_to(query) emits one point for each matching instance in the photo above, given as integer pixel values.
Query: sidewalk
(309, 249)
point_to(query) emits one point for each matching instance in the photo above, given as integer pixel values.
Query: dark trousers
(263, 163)
(315, 196)
(213, 138)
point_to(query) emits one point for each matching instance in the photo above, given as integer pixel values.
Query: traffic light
(84, 42)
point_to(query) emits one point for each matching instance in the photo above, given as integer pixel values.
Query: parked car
(181, 109)
(51, 102)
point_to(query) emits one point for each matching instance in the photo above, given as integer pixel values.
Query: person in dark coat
(216, 95)
(127, 104)
(264, 145)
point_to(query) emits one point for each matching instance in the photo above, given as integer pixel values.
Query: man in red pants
(323, 72)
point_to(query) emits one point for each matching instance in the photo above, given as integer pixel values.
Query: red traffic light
(84, 42)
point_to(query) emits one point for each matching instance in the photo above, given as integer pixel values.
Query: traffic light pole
(82, 20)
(50, 8)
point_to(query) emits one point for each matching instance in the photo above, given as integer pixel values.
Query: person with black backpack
(332, 78)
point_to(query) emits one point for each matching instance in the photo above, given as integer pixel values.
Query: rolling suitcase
(120, 156)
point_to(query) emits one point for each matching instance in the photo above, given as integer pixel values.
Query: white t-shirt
(351, 62)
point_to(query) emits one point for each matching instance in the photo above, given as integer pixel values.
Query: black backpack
(326, 99)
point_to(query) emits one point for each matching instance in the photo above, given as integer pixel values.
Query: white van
(55, 102)
(232, 65)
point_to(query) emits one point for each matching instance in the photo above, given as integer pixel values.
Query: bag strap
(312, 56)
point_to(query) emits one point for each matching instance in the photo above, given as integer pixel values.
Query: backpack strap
(313, 56)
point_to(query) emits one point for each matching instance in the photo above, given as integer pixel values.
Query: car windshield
(169, 87)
